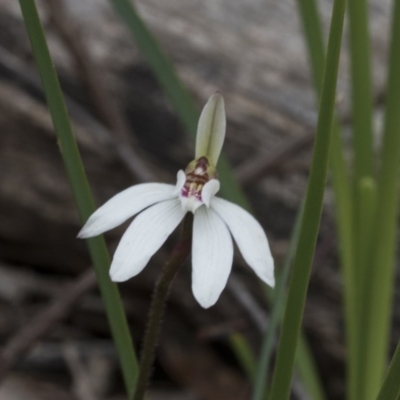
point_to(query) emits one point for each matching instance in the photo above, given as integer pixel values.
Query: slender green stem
(309, 372)
(366, 213)
(361, 89)
(342, 191)
(311, 24)
(344, 220)
(157, 307)
(366, 206)
(305, 364)
(260, 385)
(73, 164)
(312, 213)
(379, 302)
(363, 168)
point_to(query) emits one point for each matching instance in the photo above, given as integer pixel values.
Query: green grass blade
(243, 354)
(81, 190)
(260, 384)
(390, 389)
(363, 169)
(342, 191)
(308, 372)
(312, 212)
(366, 205)
(344, 221)
(361, 89)
(175, 90)
(379, 302)
(366, 217)
(313, 34)
(363, 164)
(304, 362)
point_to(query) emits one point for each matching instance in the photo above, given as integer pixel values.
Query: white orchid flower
(162, 207)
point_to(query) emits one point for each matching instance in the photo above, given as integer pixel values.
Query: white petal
(211, 129)
(147, 233)
(210, 189)
(125, 205)
(249, 236)
(180, 181)
(212, 255)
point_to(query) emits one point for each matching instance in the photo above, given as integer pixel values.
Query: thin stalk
(379, 301)
(312, 29)
(157, 307)
(309, 373)
(305, 364)
(260, 385)
(344, 220)
(342, 192)
(366, 206)
(81, 190)
(363, 168)
(312, 212)
(361, 89)
(366, 218)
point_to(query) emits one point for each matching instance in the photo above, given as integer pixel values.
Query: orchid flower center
(200, 184)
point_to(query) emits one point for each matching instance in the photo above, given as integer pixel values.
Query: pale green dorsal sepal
(211, 129)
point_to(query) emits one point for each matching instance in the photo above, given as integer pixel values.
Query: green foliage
(312, 211)
(80, 187)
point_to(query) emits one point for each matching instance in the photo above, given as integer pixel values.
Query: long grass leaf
(305, 364)
(260, 384)
(81, 190)
(361, 89)
(342, 191)
(312, 212)
(308, 372)
(379, 302)
(363, 157)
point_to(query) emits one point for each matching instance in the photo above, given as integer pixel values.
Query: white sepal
(249, 236)
(147, 233)
(180, 182)
(125, 205)
(211, 129)
(212, 256)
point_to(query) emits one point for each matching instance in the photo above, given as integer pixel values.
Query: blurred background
(54, 338)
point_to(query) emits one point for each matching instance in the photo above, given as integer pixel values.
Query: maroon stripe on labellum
(197, 176)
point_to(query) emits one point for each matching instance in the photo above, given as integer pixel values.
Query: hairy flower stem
(161, 291)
